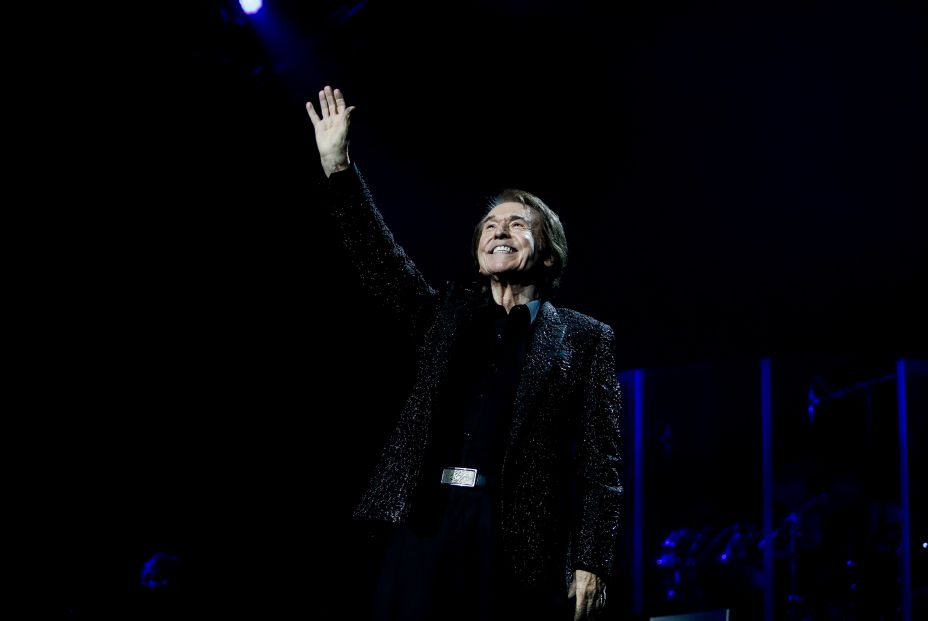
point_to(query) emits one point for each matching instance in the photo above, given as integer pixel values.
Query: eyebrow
(511, 217)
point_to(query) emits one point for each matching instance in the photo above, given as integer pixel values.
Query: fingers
(311, 110)
(323, 110)
(580, 610)
(582, 607)
(323, 104)
(330, 100)
(586, 608)
(331, 103)
(590, 600)
(339, 101)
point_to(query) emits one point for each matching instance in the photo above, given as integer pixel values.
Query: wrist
(334, 164)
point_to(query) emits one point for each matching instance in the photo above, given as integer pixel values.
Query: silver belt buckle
(462, 477)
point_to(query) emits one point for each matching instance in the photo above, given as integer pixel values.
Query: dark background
(732, 179)
(735, 181)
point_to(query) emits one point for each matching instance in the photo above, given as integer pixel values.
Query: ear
(549, 261)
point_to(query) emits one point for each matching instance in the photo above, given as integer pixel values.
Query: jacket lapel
(546, 341)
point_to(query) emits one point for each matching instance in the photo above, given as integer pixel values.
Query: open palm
(331, 127)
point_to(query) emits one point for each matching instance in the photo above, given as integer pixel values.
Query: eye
(489, 225)
(518, 223)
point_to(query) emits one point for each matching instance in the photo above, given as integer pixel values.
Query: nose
(502, 231)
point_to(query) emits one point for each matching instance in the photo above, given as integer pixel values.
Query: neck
(509, 294)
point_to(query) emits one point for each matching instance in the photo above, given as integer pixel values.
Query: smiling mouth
(503, 250)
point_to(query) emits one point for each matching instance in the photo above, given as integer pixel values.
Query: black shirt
(473, 415)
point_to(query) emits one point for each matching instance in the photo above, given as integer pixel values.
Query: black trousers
(447, 567)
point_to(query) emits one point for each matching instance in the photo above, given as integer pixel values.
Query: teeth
(502, 249)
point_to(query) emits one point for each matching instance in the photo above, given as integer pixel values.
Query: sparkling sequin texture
(560, 495)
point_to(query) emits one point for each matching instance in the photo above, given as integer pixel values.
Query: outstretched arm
(385, 270)
(331, 127)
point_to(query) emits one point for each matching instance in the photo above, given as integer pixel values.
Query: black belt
(462, 477)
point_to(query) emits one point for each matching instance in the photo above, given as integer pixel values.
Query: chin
(499, 269)
(503, 268)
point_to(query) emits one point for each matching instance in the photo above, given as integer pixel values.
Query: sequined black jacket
(560, 494)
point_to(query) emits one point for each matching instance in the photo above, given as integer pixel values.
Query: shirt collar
(533, 307)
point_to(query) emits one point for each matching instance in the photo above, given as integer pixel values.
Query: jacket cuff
(601, 572)
(344, 179)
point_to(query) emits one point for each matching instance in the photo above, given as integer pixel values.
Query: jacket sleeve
(599, 462)
(385, 271)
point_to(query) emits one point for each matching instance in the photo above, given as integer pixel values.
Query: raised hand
(331, 126)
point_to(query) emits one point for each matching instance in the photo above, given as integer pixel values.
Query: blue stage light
(250, 6)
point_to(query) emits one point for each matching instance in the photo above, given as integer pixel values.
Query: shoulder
(453, 291)
(578, 322)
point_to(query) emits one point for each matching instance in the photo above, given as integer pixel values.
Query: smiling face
(507, 243)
